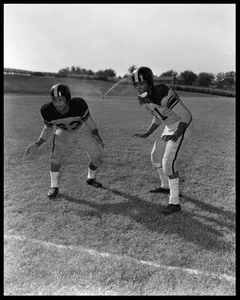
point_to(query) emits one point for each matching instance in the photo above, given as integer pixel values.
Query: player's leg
(95, 155)
(60, 139)
(169, 162)
(156, 159)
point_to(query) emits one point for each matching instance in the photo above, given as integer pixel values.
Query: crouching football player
(69, 118)
(166, 107)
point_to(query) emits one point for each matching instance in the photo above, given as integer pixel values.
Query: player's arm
(44, 136)
(178, 108)
(92, 127)
(88, 121)
(186, 117)
(153, 126)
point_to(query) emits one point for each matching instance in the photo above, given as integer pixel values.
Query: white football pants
(83, 137)
(165, 154)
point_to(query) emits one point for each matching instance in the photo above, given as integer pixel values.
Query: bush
(38, 74)
(219, 92)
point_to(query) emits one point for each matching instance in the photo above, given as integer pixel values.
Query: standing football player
(167, 109)
(66, 117)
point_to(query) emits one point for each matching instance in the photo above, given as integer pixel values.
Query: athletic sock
(54, 179)
(163, 178)
(91, 173)
(174, 191)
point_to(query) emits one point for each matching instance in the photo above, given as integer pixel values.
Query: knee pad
(97, 159)
(155, 158)
(168, 166)
(157, 153)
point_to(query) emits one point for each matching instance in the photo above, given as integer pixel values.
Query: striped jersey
(72, 120)
(162, 100)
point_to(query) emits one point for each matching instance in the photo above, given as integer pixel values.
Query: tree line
(204, 79)
(222, 80)
(102, 74)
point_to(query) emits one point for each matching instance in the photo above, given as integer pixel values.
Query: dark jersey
(72, 120)
(164, 95)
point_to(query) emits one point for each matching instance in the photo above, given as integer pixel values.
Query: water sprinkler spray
(93, 88)
(111, 88)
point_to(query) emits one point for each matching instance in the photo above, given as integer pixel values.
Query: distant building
(11, 71)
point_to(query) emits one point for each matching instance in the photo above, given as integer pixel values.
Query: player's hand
(175, 136)
(31, 149)
(140, 135)
(171, 137)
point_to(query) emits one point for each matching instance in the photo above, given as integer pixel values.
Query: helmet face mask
(142, 89)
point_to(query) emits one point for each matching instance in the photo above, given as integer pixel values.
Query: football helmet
(59, 90)
(143, 74)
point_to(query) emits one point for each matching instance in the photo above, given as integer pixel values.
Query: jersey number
(72, 125)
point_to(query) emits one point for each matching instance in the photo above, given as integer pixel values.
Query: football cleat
(52, 193)
(160, 190)
(94, 182)
(171, 208)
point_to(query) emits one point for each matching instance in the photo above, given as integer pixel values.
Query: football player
(167, 109)
(69, 118)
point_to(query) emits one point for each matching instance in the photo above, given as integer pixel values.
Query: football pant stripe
(53, 144)
(175, 157)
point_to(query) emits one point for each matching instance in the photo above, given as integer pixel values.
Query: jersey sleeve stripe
(48, 124)
(172, 101)
(86, 116)
(160, 115)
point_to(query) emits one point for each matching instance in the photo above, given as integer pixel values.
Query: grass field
(114, 241)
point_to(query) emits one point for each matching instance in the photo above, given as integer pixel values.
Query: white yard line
(16, 140)
(229, 278)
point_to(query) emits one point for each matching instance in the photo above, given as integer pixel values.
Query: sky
(163, 37)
